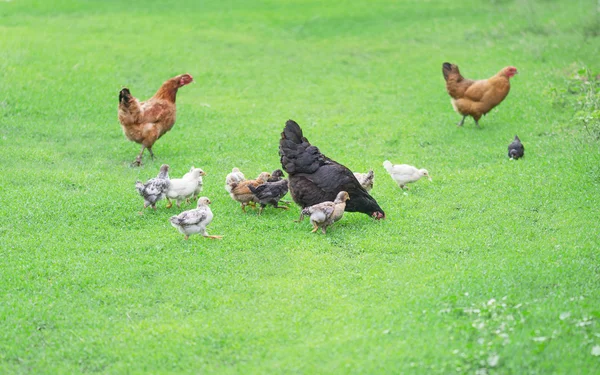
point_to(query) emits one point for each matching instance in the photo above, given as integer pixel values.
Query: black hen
(270, 193)
(314, 178)
(516, 149)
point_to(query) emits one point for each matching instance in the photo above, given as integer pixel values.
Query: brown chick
(476, 98)
(241, 193)
(324, 214)
(145, 122)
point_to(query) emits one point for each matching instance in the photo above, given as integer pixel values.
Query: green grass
(492, 268)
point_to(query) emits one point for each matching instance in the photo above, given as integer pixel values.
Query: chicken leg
(462, 121)
(214, 237)
(138, 160)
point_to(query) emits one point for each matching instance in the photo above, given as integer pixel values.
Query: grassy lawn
(491, 268)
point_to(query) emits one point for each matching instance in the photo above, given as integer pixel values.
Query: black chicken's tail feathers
(292, 132)
(252, 188)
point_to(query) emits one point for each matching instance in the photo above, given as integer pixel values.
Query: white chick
(183, 188)
(194, 221)
(234, 177)
(404, 174)
(200, 182)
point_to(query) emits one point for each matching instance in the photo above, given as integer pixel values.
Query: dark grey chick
(155, 188)
(277, 175)
(270, 193)
(516, 149)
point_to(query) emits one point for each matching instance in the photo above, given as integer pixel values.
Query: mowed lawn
(491, 268)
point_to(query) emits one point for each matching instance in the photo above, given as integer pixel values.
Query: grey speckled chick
(324, 214)
(195, 221)
(516, 149)
(155, 188)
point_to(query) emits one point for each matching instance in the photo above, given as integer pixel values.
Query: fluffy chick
(276, 175)
(194, 221)
(365, 179)
(234, 177)
(241, 193)
(155, 188)
(183, 188)
(270, 193)
(200, 182)
(324, 214)
(404, 174)
(516, 149)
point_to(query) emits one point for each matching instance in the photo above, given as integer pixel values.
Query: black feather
(516, 149)
(314, 178)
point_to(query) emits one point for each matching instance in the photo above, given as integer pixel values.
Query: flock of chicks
(323, 188)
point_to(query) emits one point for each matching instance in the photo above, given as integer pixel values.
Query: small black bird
(276, 175)
(270, 193)
(516, 149)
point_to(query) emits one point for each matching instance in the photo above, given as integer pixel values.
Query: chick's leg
(151, 153)
(462, 121)
(477, 123)
(214, 237)
(169, 204)
(205, 234)
(315, 228)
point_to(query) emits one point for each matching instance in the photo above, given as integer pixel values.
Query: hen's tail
(297, 154)
(252, 188)
(449, 69)
(292, 132)
(124, 95)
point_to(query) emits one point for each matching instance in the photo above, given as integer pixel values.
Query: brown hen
(476, 98)
(145, 122)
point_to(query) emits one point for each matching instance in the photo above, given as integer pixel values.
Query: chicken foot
(138, 160)
(213, 237)
(206, 235)
(462, 121)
